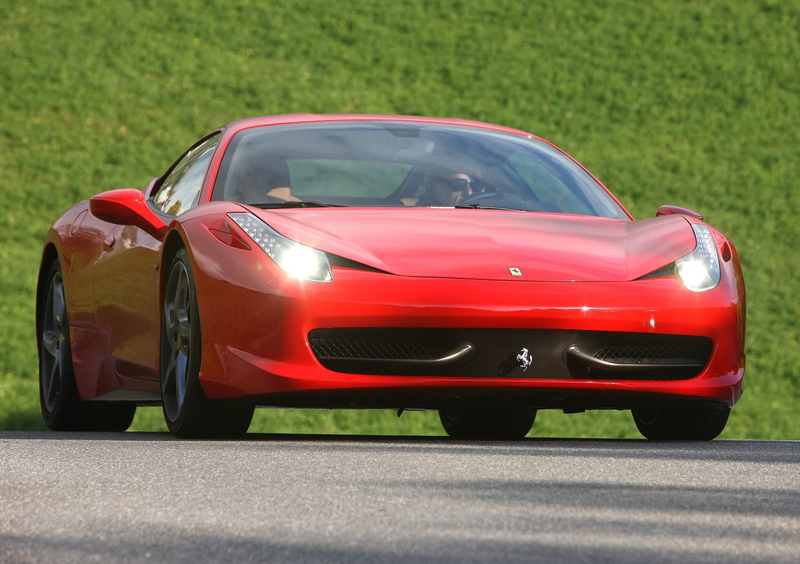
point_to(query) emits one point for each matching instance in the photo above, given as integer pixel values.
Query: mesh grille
(649, 354)
(653, 355)
(362, 348)
(333, 352)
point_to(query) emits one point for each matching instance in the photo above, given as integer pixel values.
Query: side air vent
(662, 272)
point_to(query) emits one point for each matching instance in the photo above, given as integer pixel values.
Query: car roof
(284, 119)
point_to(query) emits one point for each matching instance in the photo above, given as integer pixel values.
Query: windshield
(401, 164)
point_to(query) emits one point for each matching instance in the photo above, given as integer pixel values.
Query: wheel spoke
(168, 383)
(54, 314)
(180, 378)
(171, 318)
(58, 303)
(54, 381)
(50, 341)
(184, 330)
(182, 293)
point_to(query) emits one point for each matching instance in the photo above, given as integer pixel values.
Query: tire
(187, 410)
(680, 424)
(487, 423)
(62, 407)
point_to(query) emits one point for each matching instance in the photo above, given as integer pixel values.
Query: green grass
(689, 103)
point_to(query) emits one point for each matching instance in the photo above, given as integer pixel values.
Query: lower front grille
(369, 349)
(677, 361)
(510, 353)
(683, 360)
(367, 352)
(650, 354)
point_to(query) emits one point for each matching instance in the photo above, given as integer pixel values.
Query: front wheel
(487, 423)
(187, 410)
(680, 424)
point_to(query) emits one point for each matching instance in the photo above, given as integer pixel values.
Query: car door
(126, 277)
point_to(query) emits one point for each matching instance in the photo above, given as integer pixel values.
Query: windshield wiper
(294, 204)
(482, 207)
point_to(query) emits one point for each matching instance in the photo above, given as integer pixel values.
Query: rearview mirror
(127, 206)
(673, 210)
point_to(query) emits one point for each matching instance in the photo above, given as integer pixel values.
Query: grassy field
(688, 103)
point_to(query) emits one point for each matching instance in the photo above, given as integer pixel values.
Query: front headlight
(699, 270)
(298, 261)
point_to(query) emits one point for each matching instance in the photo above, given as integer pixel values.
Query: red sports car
(385, 262)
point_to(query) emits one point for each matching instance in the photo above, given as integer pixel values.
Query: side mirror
(672, 210)
(127, 206)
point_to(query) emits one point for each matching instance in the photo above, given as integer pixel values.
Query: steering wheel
(476, 198)
(263, 200)
(496, 197)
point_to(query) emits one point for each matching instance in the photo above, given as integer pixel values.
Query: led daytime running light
(299, 261)
(699, 270)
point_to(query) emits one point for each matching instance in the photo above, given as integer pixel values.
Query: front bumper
(256, 336)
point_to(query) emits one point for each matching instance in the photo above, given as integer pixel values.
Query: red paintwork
(578, 271)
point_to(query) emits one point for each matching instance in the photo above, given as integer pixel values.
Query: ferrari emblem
(515, 271)
(525, 359)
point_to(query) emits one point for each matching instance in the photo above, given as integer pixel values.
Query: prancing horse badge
(515, 271)
(525, 359)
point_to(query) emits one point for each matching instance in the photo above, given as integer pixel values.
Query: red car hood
(485, 244)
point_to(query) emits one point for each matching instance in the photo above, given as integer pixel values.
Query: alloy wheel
(55, 332)
(177, 340)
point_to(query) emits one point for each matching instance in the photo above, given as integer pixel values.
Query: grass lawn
(688, 103)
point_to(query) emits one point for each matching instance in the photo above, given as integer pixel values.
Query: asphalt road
(276, 498)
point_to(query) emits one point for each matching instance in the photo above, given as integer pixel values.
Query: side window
(181, 188)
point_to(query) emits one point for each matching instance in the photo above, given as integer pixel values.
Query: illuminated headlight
(699, 270)
(299, 261)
